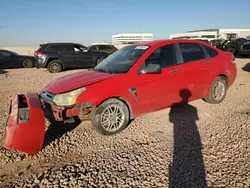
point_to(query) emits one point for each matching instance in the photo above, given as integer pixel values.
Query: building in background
(213, 34)
(131, 38)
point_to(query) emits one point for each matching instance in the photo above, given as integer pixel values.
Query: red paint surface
(26, 137)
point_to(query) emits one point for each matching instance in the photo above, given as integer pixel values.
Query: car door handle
(174, 71)
(207, 63)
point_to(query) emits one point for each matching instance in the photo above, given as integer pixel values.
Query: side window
(60, 48)
(102, 47)
(164, 56)
(94, 47)
(246, 47)
(5, 54)
(210, 51)
(109, 47)
(191, 52)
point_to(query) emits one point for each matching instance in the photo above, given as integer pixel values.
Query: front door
(9, 60)
(159, 91)
(83, 58)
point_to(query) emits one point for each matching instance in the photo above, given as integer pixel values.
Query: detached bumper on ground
(25, 126)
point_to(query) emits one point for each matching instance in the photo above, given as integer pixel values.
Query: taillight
(38, 53)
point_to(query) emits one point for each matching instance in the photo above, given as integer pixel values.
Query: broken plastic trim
(23, 109)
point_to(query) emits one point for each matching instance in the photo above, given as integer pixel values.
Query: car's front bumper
(61, 113)
(25, 126)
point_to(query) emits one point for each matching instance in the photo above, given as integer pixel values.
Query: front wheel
(218, 91)
(111, 117)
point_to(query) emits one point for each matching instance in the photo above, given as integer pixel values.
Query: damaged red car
(138, 79)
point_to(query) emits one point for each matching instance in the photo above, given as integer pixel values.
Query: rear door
(158, 91)
(65, 52)
(198, 66)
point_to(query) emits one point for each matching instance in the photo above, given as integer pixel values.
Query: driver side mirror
(151, 69)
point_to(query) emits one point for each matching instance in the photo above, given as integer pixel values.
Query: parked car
(58, 56)
(139, 79)
(107, 48)
(215, 42)
(239, 47)
(9, 59)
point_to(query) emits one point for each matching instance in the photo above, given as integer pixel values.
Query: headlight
(69, 98)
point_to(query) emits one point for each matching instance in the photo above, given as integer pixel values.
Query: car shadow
(246, 67)
(57, 129)
(3, 71)
(187, 168)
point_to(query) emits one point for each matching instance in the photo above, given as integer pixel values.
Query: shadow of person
(187, 169)
(246, 67)
(57, 129)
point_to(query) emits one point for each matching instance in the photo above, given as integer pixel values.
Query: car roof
(61, 43)
(166, 41)
(3, 50)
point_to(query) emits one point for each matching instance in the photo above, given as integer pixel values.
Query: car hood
(76, 80)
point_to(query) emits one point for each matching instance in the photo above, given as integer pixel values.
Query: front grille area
(47, 96)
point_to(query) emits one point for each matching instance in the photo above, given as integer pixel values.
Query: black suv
(58, 56)
(239, 47)
(107, 48)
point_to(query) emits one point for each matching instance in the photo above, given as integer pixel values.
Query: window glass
(191, 52)
(210, 51)
(122, 60)
(246, 47)
(5, 54)
(164, 56)
(59, 48)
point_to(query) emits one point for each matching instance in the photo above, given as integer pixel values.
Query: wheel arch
(219, 75)
(52, 59)
(125, 101)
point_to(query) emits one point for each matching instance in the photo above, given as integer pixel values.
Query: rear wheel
(218, 91)
(27, 63)
(111, 117)
(54, 66)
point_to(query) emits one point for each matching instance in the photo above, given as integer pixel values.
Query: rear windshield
(41, 48)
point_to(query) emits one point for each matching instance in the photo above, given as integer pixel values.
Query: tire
(100, 60)
(27, 63)
(54, 66)
(99, 114)
(221, 84)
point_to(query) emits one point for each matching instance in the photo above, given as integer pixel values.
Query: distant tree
(248, 37)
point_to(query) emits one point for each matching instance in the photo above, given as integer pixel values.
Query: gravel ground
(199, 145)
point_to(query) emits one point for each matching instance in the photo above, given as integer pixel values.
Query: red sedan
(139, 79)
(142, 78)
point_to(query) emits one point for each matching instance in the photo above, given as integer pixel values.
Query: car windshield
(122, 60)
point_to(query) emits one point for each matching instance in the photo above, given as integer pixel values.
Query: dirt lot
(208, 145)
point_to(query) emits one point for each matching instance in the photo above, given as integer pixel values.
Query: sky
(33, 22)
